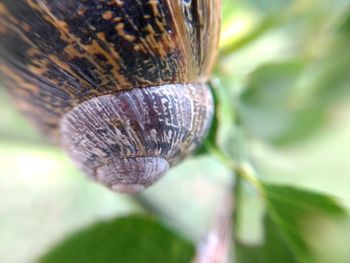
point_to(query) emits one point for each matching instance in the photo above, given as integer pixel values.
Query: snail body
(120, 85)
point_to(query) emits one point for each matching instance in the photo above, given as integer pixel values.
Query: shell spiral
(119, 84)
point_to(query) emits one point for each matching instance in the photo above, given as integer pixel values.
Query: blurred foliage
(289, 208)
(290, 212)
(129, 239)
(281, 86)
(287, 96)
(289, 76)
(273, 249)
(265, 107)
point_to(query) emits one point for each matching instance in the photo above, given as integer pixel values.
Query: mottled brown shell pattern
(120, 84)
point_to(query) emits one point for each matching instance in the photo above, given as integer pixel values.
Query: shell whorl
(127, 140)
(56, 54)
(105, 79)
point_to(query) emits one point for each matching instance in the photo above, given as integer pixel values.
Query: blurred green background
(284, 64)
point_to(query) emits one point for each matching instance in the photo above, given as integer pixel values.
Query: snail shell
(119, 84)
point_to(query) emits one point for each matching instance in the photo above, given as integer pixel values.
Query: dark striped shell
(119, 84)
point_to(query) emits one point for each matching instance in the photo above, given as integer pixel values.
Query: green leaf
(286, 102)
(266, 105)
(290, 209)
(333, 79)
(274, 249)
(272, 108)
(131, 239)
(344, 28)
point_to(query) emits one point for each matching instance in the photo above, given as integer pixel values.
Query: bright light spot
(236, 28)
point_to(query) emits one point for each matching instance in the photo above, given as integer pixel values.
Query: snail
(120, 85)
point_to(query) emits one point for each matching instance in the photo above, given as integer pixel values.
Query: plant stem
(244, 170)
(237, 192)
(217, 244)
